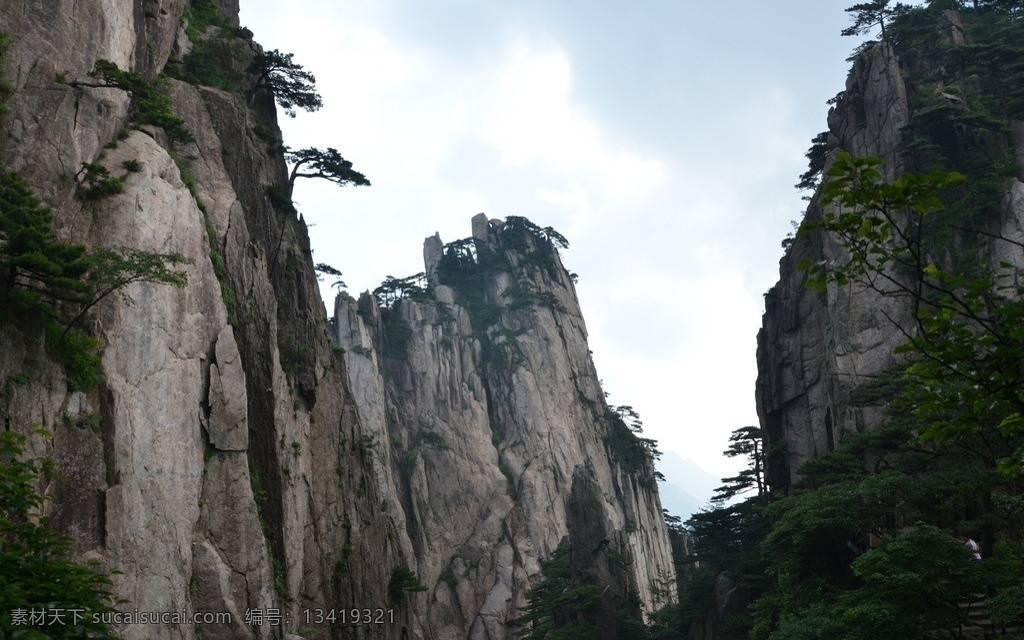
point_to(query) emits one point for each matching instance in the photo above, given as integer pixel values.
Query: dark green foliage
(280, 579)
(536, 246)
(726, 545)
(322, 269)
(868, 15)
(327, 164)
(569, 605)
(341, 567)
(97, 182)
(35, 567)
(61, 281)
(133, 166)
(394, 289)
(207, 63)
(199, 15)
(816, 156)
(1004, 571)
(77, 351)
(150, 102)
(969, 338)
(869, 548)
(745, 442)
(460, 269)
(432, 439)
(449, 578)
(396, 339)
(634, 454)
(280, 200)
(962, 98)
(524, 295)
(467, 272)
(36, 271)
(227, 294)
(458, 261)
(403, 581)
(520, 226)
(559, 606)
(871, 544)
(290, 85)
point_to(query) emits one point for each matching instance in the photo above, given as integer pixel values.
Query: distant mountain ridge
(687, 486)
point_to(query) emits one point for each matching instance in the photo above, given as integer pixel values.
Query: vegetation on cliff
(58, 282)
(43, 593)
(872, 542)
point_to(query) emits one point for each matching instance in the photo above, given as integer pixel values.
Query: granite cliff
(486, 411)
(234, 457)
(819, 353)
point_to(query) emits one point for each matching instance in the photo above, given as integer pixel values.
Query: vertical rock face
(232, 459)
(219, 466)
(491, 433)
(818, 351)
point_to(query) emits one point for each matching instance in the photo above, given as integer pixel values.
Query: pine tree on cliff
(867, 15)
(319, 163)
(290, 84)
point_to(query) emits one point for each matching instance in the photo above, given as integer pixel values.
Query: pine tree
(326, 164)
(290, 84)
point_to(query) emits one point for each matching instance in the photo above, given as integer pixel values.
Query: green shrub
(78, 352)
(36, 572)
(199, 15)
(448, 578)
(98, 182)
(60, 282)
(150, 102)
(403, 581)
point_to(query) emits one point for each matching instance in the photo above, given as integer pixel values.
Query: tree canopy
(287, 81)
(870, 543)
(394, 289)
(868, 15)
(327, 164)
(967, 343)
(36, 572)
(151, 103)
(62, 281)
(745, 443)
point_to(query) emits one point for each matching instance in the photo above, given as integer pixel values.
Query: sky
(662, 138)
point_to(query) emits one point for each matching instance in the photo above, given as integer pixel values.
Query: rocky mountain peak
(235, 451)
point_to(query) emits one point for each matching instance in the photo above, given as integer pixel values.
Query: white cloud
(668, 192)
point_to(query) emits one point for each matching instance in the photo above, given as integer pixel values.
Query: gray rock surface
(484, 432)
(232, 458)
(816, 351)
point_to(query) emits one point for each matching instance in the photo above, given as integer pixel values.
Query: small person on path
(975, 550)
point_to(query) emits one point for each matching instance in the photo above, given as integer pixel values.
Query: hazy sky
(661, 137)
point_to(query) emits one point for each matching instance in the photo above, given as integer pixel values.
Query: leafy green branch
(326, 164)
(394, 289)
(287, 81)
(150, 102)
(63, 281)
(967, 343)
(36, 571)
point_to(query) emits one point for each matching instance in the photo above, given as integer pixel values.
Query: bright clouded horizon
(662, 139)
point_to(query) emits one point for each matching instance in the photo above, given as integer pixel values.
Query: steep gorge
(233, 457)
